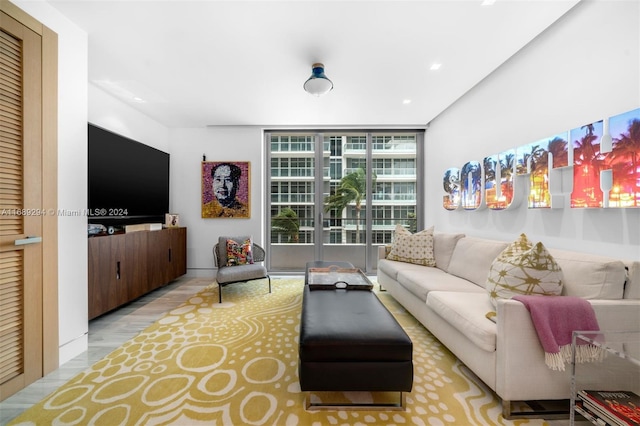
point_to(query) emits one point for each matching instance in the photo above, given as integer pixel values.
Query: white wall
(187, 146)
(72, 176)
(116, 116)
(582, 69)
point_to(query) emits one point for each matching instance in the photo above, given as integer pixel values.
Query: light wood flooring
(110, 331)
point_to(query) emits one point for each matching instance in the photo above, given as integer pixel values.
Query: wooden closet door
(23, 210)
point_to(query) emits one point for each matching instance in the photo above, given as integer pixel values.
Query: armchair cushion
(241, 273)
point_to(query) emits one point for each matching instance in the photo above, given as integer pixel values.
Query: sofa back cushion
(443, 245)
(590, 276)
(472, 257)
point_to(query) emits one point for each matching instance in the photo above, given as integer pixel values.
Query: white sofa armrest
(520, 357)
(382, 253)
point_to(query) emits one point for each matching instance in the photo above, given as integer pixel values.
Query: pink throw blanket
(555, 318)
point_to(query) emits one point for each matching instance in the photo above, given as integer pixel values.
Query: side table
(617, 374)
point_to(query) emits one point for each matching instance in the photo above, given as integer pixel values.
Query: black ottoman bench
(349, 341)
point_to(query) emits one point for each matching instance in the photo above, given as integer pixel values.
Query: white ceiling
(217, 62)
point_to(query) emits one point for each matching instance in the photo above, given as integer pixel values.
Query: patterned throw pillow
(523, 268)
(239, 253)
(413, 248)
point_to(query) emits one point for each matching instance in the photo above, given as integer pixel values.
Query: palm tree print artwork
(471, 183)
(540, 158)
(507, 173)
(491, 182)
(451, 185)
(604, 175)
(587, 163)
(623, 161)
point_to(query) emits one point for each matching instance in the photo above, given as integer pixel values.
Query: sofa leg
(548, 410)
(269, 283)
(506, 409)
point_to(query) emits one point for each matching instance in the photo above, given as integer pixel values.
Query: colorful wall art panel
(544, 155)
(587, 163)
(624, 160)
(605, 156)
(451, 185)
(471, 185)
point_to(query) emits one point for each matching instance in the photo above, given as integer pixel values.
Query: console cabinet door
(107, 288)
(135, 267)
(178, 254)
(158, 254)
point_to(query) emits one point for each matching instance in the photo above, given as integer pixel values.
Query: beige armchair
(238, 273)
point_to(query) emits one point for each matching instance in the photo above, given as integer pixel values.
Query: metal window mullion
(267, 190)
(420, 174)
(368, 214)
(319, 202)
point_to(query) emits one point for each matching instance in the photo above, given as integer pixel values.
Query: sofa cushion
(472, 258)
(443, 245)
(523, 268)
(466, 313)
(392, 267)
(591, 276)
(424, 280)
(413, 248)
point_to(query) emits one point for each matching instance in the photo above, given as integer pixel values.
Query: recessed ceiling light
(435, 66)
(406, 101)
(488, 2)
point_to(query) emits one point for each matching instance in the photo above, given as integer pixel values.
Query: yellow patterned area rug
(235, 363)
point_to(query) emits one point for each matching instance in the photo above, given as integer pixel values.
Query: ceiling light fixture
(435, 67)
(318, 84)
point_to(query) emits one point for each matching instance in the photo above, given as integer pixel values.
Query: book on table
(589, 413)
(618, 408)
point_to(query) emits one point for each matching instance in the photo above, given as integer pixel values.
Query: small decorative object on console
(95, 228)
(171, 220)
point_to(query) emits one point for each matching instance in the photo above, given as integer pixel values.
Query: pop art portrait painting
(225, 189)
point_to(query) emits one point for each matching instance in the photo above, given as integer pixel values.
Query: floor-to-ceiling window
(338, 195)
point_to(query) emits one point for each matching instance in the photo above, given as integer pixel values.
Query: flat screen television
(128, 180)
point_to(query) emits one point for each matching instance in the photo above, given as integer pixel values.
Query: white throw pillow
(413, 248)
(523, 268)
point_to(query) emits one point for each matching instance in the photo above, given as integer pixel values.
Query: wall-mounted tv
(128, 180)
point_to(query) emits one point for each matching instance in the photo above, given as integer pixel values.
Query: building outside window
(307, 169)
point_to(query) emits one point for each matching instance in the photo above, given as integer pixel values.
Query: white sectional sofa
(451, 301)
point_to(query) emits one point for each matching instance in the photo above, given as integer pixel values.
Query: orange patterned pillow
(239, 253)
